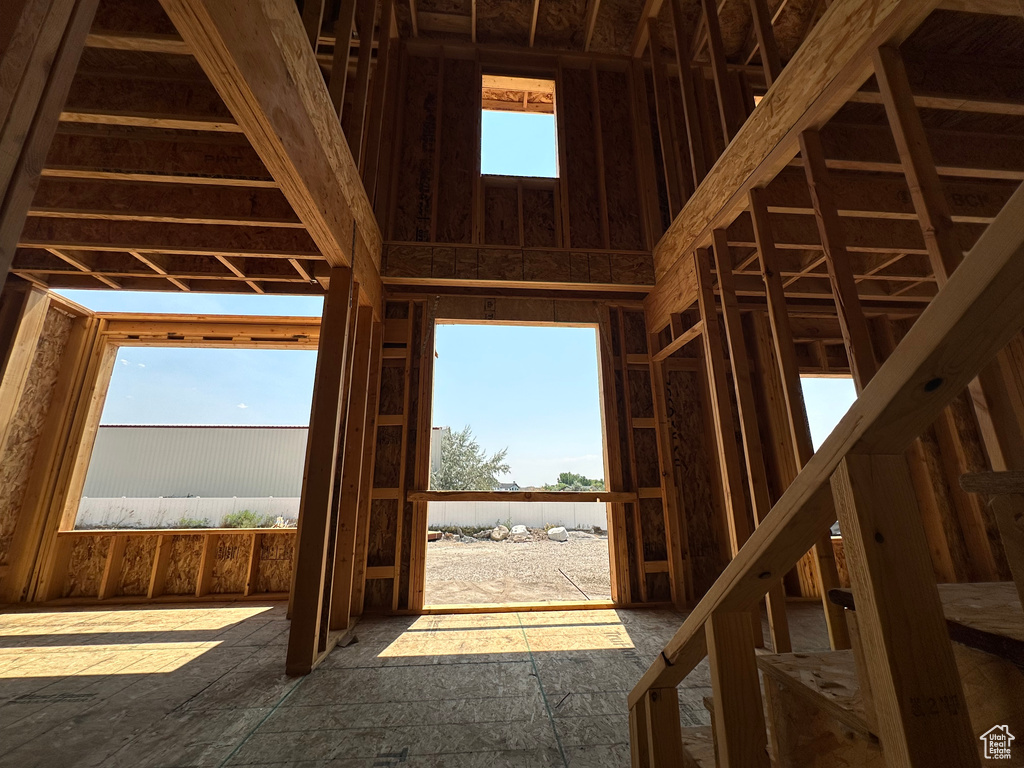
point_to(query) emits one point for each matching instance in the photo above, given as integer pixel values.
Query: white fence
(532, 514)
(165, 513)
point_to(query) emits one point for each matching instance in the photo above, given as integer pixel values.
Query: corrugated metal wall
(147, 461)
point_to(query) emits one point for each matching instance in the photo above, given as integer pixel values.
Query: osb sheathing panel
(641, 400)
(652, 520)
(504, 21)
(616, 25)
(635, 331)
(29, 418)
(797, 18)
(378, 594)
(231, 568)
(460, 151)
(183, 565)
(387, 458)
(659, 589)
(645, 446)
(501, 215)
(693, 470)
(86, 564)
(625, 230)
(392, 387)
(380, 549)
(137, 565)
(581, 159)
(455, 7)
(734, 19)
(275, 570)
(560, 24)
(539, 221)
(413, 204)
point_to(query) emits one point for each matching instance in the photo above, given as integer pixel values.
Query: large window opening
(516, 409)
(200, 438)
(827, 399)
(517, 131)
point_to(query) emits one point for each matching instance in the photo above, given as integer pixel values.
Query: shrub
(246, 519)
(190, 522)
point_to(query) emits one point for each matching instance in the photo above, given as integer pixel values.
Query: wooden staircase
(819, 706)
(930, 668)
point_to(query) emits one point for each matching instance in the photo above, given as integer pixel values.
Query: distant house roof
(513, 486)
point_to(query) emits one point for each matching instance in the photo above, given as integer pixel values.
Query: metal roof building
(147, 461)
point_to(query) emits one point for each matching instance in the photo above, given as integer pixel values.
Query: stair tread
(827, 679)
(699, 747)
(987, 616)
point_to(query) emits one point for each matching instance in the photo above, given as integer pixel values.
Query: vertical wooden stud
(921, 709)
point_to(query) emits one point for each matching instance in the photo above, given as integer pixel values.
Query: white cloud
(124, 362)
(241, 405)
(142, 365)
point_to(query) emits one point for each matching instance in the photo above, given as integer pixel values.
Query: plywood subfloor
(181, 687)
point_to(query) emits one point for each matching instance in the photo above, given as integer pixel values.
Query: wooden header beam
(258, 57)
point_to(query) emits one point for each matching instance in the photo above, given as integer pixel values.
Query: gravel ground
(506, 572)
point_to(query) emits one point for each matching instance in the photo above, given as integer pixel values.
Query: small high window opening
(517, 134)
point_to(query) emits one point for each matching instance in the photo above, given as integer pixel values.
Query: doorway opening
(516, 415)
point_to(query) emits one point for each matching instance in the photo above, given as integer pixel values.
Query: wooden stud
(1008, 511)
(161, 561)
(207, 563)
(253, 570)
(627, 416)
(351, 479)
(664, 736)
(639, 742)
(338, 83)
(354, 116)
(674, 183)
(312, 545)
(312, 19)
(366, 477)
(852, 322)
(729, 101)
(595, 100)
(762, 24)
(694, 134)
(757, 477)
(112, 570)
(741, 740)
(921, 710)
(782, 338)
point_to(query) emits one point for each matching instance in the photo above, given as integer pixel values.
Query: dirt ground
(489, 572)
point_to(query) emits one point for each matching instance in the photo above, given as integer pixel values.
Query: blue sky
(518, 144)
(531, 389)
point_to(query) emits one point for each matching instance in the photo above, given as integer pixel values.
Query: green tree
(570, 481)
(465, 466)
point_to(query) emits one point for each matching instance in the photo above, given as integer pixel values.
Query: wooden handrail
(974, 316)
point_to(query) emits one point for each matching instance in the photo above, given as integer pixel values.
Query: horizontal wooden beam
(257, 56)
(144, 236)
(118, 200)
(191, 105)
(95, 152)
(528, 267)
(536, 496)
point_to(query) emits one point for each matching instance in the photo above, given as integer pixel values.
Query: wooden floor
(204, 686)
